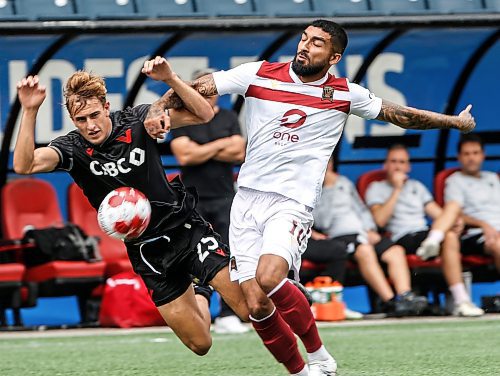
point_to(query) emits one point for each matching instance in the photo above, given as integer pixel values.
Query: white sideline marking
(86, 332)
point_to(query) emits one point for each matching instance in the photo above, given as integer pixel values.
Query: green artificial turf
(464, 347)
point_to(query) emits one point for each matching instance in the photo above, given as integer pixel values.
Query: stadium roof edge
(197, 24)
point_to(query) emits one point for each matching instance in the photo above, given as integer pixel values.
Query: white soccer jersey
(292, 126)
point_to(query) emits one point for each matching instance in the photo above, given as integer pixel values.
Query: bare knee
(270, 272)
(364, 254)
(394, 253)
(200, 347)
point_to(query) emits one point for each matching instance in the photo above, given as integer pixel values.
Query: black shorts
(411, 242)
(351, 243)
(168, 264)
(472, 245)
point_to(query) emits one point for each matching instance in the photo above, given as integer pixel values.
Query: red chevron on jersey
(289, 97)
(127, 138)
(275, 71)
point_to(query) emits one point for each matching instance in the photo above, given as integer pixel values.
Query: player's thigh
(286, 235)
(184, 317)
(231, 292)
(245, 240)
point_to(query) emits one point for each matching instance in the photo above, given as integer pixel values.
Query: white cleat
(428, 249)
(322, 368)
(467, 309)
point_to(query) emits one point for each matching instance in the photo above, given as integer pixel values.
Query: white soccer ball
(124, 213)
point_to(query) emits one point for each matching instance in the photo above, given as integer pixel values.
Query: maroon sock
(280, 341)
(294, 308)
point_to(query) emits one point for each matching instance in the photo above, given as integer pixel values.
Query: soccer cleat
(467, 309)
(229, 325)
(406, 304)
(303, 290)
(411, 303)
(428, 249)
(322, 368)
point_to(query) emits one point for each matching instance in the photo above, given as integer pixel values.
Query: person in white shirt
(399, 204)
(478, 194)
(295, 114)
(341, 216)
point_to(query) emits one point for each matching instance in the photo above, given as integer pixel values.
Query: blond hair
(82, 86)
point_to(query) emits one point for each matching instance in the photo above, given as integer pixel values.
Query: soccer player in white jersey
(478, 194)
(400, 205)
(295, 114)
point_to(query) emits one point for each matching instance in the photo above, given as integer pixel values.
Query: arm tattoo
(412, 118)
(205, 85)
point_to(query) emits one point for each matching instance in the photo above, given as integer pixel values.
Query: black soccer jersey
(128, 158)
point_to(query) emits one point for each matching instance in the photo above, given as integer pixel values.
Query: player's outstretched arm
(27, 159)
(192, 109)
(413, 118)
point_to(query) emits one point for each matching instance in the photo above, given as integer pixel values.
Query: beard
(303, 70)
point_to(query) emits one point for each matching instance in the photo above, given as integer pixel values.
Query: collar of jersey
(297, 80)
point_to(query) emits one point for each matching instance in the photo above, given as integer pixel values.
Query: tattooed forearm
(205, 85)
(412, 118)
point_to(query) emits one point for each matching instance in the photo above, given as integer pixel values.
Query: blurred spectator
(399, 204)
(348, 228)
(207, 154)
(478, 194)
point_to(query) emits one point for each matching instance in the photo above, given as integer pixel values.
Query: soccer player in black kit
(111, 150)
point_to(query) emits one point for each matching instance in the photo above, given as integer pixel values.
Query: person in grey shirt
(399, 204)
(346, 225)
(478, 194)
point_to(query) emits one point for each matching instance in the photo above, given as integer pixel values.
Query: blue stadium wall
(437, 69)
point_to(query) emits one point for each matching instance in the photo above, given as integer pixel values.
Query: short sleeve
(141, 111)
(424, 193)
(374, 194)
(364, 103)
(453, 192)
(236, 80)
(63, 145)
(179, 132)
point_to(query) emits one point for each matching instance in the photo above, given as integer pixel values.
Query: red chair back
(367, 178)
(28, 202)
(439, 183)
(81, 213)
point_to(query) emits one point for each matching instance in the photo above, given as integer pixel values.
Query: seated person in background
(478, 194)
(346, 221)
(400, 204)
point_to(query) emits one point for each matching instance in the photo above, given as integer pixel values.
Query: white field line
(86, 332)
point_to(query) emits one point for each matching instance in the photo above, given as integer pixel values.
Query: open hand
(31, 94)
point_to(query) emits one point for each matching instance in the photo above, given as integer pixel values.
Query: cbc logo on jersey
(292, 119)
(136, 158)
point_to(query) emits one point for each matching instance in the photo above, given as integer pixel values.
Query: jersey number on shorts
(301, 234)
(210, 244)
